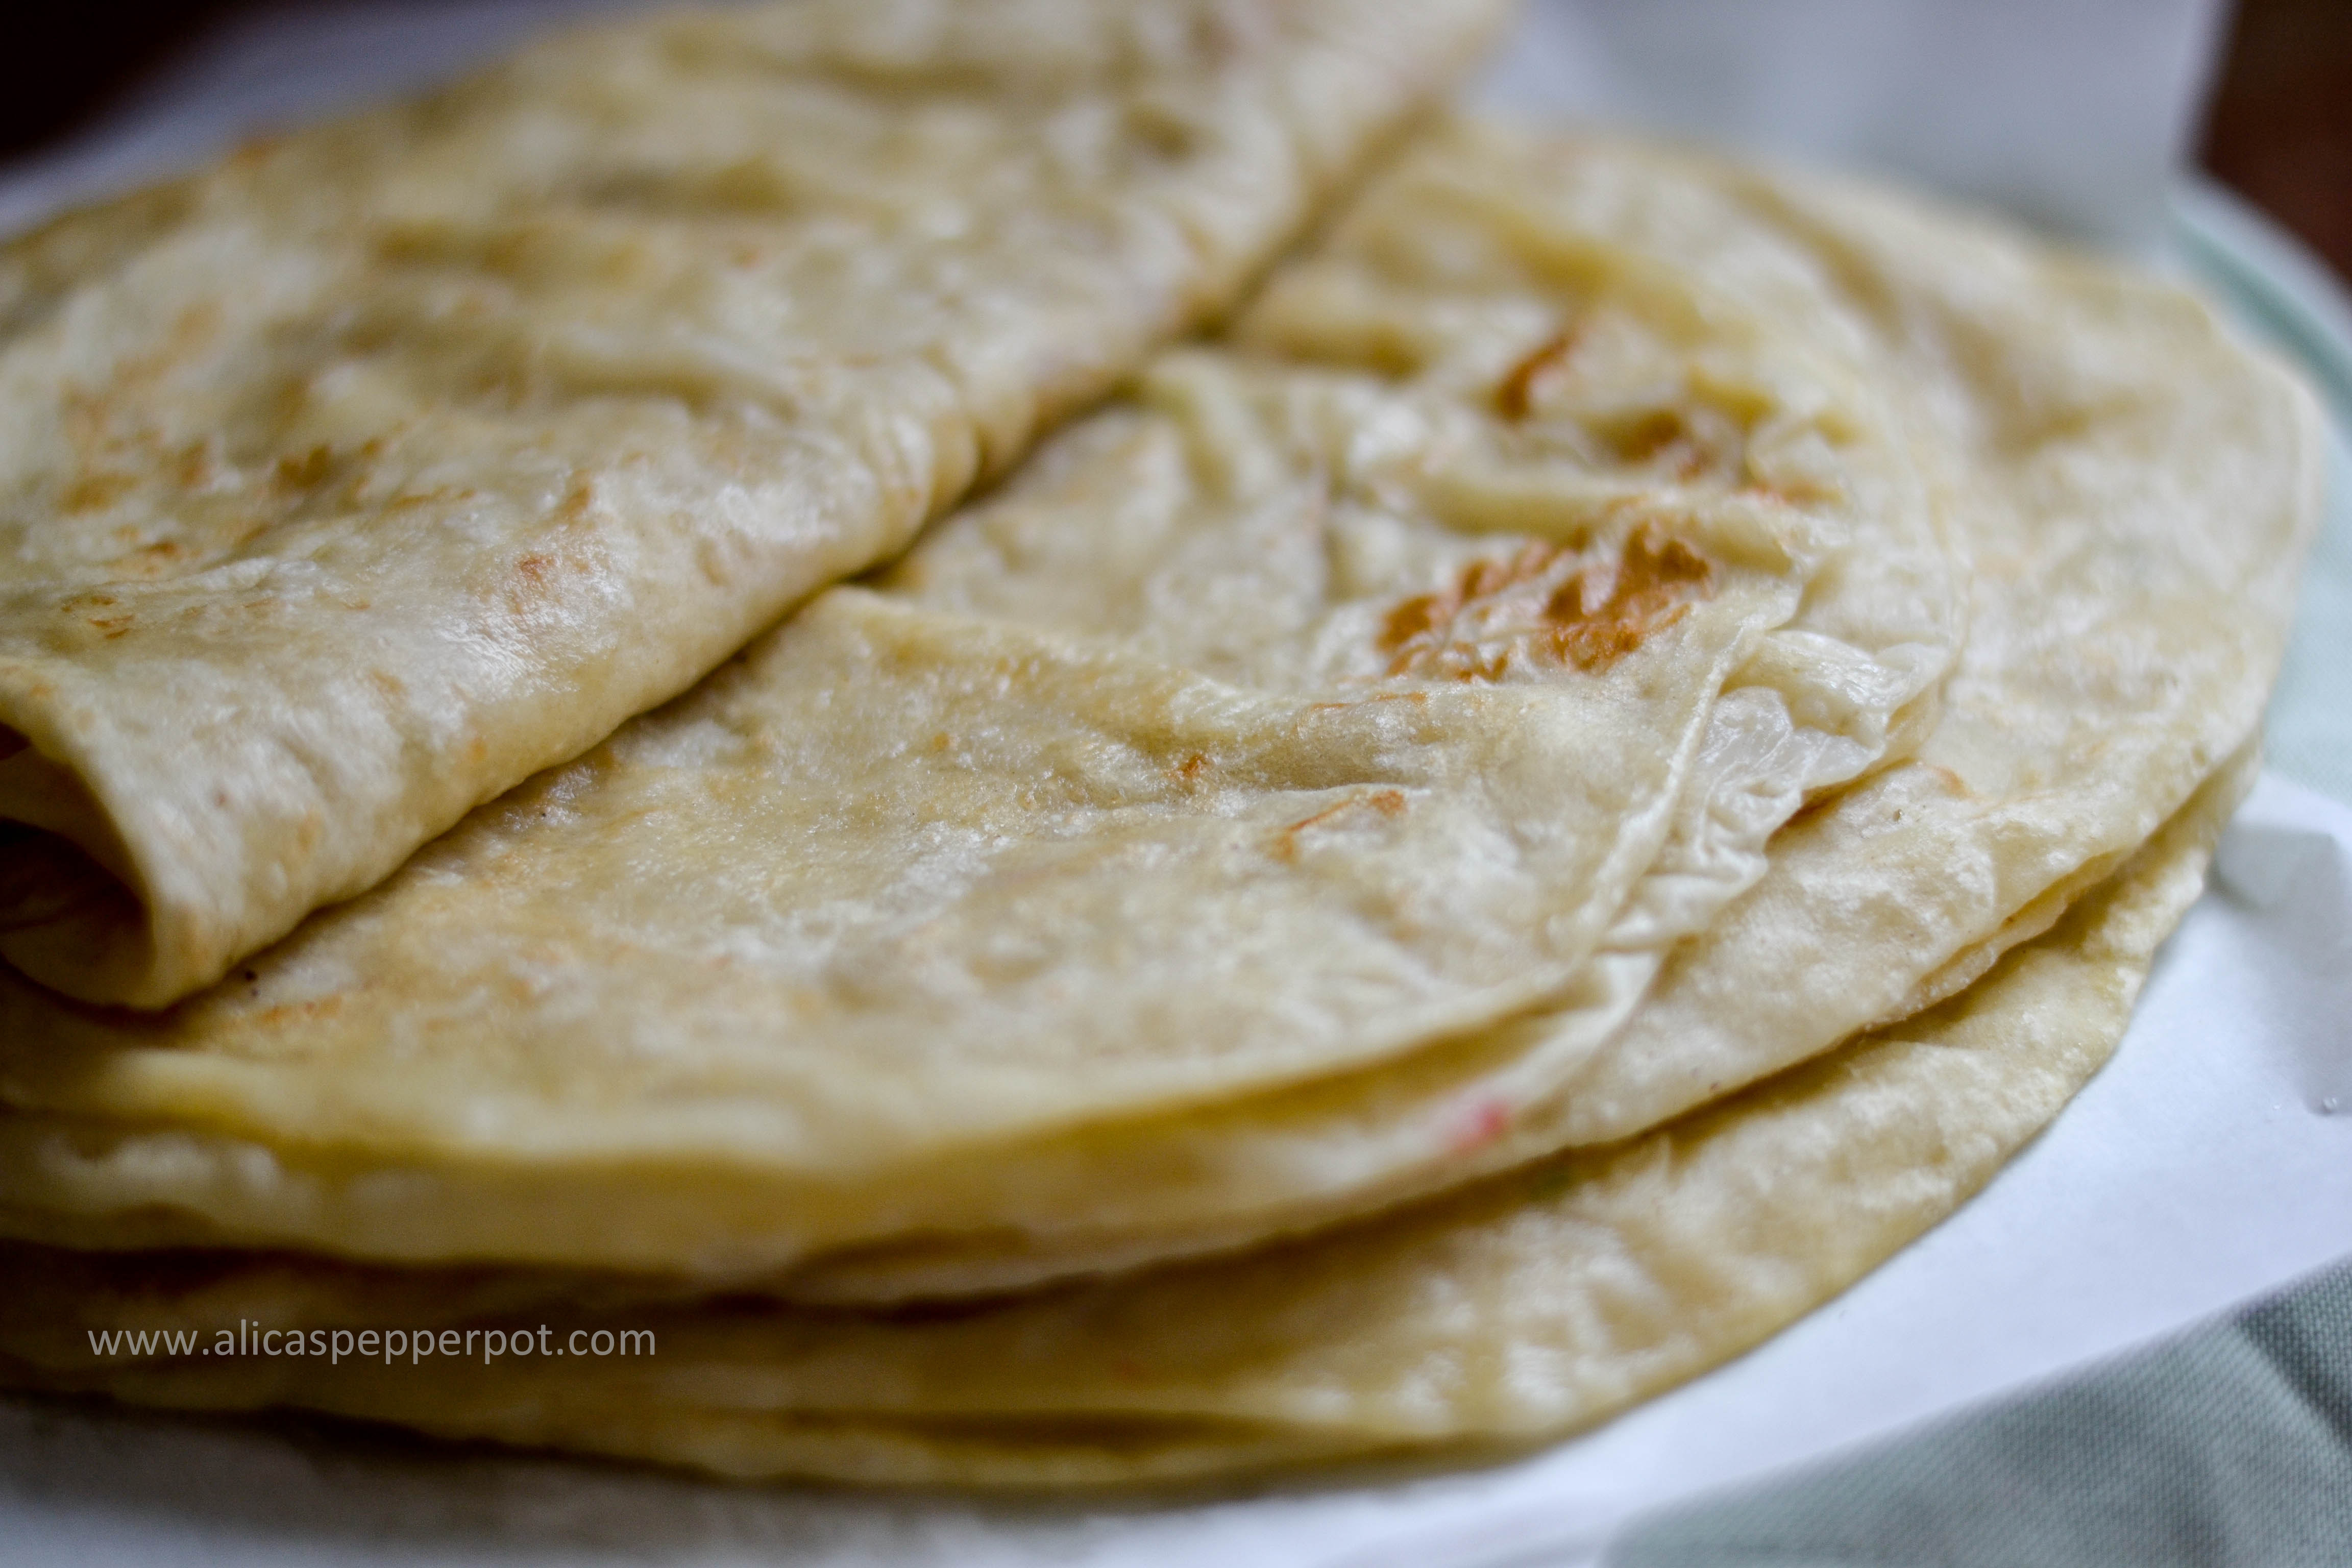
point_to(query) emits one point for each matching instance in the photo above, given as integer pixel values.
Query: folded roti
(1518, 1310)
(350, 482)
(1270, 726)
(2159, 484)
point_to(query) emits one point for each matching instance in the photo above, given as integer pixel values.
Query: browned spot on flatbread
(282, 1015)
(1536, 604)
(195, 464)
(304, 470)
(445, 495)
(579, 499)
(96, 491)
(1950, 781)
(1390, 803)
(1424, 616)
(1794, 494)
(150, 563)
(533, 583)
(102, 613)
(1642, 439)
(530, 589)
(1654, 585)
(1514, 396)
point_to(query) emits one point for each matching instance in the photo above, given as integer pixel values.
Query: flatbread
(2065, 777)
(1513, 1311)
(2134, 491)
(1270, 726)
(913, 881)
(347, 483)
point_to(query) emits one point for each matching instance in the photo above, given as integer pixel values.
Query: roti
(2183, 507)
(1396, 705)
(1515, 1311)
(354, 479)
(2132, 491)
(1285, 720)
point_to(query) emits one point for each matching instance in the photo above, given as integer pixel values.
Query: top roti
(352, 480)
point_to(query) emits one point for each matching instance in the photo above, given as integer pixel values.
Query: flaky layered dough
(1518, 1309)
(351, 481)
(1273, 725)
(2134, 490)
(2134, 493)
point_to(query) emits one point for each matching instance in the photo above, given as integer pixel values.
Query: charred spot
(102, 613)
(285, 1014)
(304, 470)
(96, 493)
(151, 561)
(195, 465)
(1791, 494)
(1414, 619)
(1646, 438)
(1418, 619)
(1541, 603)
(531, 584)
(1515, 395)
(1387, 803)
(1654, 585)
(579, 499)
(1163, 135)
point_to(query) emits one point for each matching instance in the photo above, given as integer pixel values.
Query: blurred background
(2277, 126)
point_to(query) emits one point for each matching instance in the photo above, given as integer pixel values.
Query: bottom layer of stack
(1530, 1306)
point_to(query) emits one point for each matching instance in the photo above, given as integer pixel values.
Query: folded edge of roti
(1520, 1310)
(2137, 491)
(2154, 504)
(1274, 723)
(350, 482)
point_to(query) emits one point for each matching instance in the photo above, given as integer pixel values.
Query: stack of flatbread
(1426, 866)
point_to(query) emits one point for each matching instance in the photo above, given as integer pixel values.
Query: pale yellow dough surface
(346, 484)
(1287, 718)
(1514, 1310)
(2131, 492)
